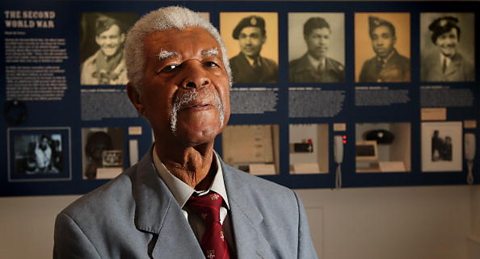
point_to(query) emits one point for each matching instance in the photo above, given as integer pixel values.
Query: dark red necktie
(213, 241)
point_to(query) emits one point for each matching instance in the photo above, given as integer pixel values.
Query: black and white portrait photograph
(382, 47)
(38, 154)
(441, 146)
(102, 38)
(252, 44)
(316, 47)
(103, 152)
(447, 47)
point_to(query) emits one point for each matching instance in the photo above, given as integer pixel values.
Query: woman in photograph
(446, 64)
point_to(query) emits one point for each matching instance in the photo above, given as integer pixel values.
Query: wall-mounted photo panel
(382, 47)
(39, 154)
(442, 146)
(312, 84)
(102, 39)
(252, 148)
(251, 39)
(383, 147)
(447, 45)
(308, 148)
(103, 152)
(316, 47)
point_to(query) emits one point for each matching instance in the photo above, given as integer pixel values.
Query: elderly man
(388, 65)
(446, 63)
(107, 65)
(249, 66)
(315, 66)
(181, 200)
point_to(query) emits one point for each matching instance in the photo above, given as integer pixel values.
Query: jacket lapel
(158, 213)
(246, 218)
(454, 66)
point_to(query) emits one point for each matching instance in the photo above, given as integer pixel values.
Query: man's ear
(135, 98)
(122, 37)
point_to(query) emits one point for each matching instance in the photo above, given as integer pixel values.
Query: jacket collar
(158, 213)
(245, 217)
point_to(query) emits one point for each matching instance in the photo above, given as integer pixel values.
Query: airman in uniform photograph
(107, 65)
(249, 66)
(315, 65)
(387, 65)
(446, 63)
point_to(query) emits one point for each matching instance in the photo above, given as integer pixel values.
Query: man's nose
(195, 76)
(450, 41)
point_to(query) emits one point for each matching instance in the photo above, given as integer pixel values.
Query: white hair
(172, 17)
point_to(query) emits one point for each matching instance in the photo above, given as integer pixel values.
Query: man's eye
(211, 64)
(169, 68)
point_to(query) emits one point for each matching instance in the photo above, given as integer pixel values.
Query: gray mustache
(185, 99)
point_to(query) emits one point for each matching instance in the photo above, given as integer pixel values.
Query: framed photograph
(382, 47)
(251, 39)
(39, 154)
(103, 152)
(102, 39)
(230, 20)
(316, 47)
(447, 47)
(442, 146)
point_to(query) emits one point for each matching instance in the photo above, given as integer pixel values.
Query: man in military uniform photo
(446, 63)
(107, 65)
(314, 65)
(388, 65)
(248, 66)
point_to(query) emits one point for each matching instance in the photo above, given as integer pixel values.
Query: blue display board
(405, 118)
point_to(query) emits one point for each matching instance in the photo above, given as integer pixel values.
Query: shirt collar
(251, 61)
(182, 191)
(316, 62)
(446, 59)
(390, 55)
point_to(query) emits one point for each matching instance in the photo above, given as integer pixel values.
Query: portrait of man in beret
(316, 64)
(388, 65)
(444, 59)
(249, 66)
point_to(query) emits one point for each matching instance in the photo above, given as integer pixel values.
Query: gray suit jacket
(136, 216)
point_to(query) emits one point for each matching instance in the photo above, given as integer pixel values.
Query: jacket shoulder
(269, 62)
(258, 185)
(299, 63)
(335, 65)
(237, 60)
(115, 194)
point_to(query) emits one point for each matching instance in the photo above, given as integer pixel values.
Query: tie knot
(207, 206)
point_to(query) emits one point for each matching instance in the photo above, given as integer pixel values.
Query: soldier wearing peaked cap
(315, 66)
(446, 63)
(388, 65)
(249, 66)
